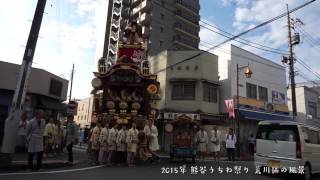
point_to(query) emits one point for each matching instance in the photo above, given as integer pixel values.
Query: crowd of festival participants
(41, 139)
(123, 145)
(110, 143)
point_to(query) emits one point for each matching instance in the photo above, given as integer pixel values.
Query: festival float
(126, 91)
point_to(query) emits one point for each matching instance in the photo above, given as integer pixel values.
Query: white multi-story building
(261, 97)
(84, 116)
(308, 103)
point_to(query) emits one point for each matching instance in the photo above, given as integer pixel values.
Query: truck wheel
(307, 172)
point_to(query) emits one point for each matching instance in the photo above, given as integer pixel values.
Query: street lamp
(247, 73)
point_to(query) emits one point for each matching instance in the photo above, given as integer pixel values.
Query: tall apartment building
(168, 24)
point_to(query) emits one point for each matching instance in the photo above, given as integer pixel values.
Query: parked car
(285, 144)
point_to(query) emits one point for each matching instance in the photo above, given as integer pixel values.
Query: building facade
(45, 90)
(261, 97)
(190, 88)
(84, 116)
(308, 103)
(168, 24)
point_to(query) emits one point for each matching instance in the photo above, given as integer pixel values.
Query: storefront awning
(262, 116)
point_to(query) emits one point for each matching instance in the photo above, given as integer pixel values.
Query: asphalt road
(163, 170)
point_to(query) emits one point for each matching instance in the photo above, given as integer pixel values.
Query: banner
(230, 107)
(278, 98)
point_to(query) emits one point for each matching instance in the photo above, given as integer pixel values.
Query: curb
(22, 165)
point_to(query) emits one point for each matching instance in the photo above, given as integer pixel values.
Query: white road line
(51, 172)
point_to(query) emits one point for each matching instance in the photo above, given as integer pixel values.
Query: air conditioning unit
(168, 115)
(309, 117)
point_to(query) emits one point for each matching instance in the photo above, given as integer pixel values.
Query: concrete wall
(265, 73)
(39, 80)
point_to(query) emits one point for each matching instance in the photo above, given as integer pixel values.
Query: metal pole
(238, 114)
(291, 69)
(71, 82)
(11, 124)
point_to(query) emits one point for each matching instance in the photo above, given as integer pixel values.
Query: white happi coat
(49, 132)
(121, 141)
(202, 141)
(103, 139)
(35, 132)
(132, 140)
(95, 138)
(154, 144)
(215, 141)
(112, 138)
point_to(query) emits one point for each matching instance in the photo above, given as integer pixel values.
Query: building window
(55, 87)
(263, 93)
(160, 43)
(162, 16)
(183, 91)
(251, 91)
(210, 93)
(312, 109)
(161, 29)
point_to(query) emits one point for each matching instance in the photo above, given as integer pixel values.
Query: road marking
(51, 172)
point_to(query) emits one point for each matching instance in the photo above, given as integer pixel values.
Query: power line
(304, 76)
(308, 68)
(270, 49)
(302, 30)
(274, 49)
(236, 36)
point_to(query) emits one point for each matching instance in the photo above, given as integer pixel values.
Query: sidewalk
(20, 161)
(164, 155)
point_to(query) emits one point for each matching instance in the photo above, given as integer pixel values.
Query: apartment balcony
(144, 19)
(145, 32)
(188, 7)
(188, 43)
(144, 6)
(188, 18)
(187, 30)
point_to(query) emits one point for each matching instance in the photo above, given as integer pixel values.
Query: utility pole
(292, 40)
(11, 124)
(71, 81)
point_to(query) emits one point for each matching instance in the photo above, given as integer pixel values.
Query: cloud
(62, 41)
(209, 38)
(275, 34)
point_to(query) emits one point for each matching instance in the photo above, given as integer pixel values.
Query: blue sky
(70, 33)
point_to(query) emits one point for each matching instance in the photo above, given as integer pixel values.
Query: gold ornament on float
(152, 89)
